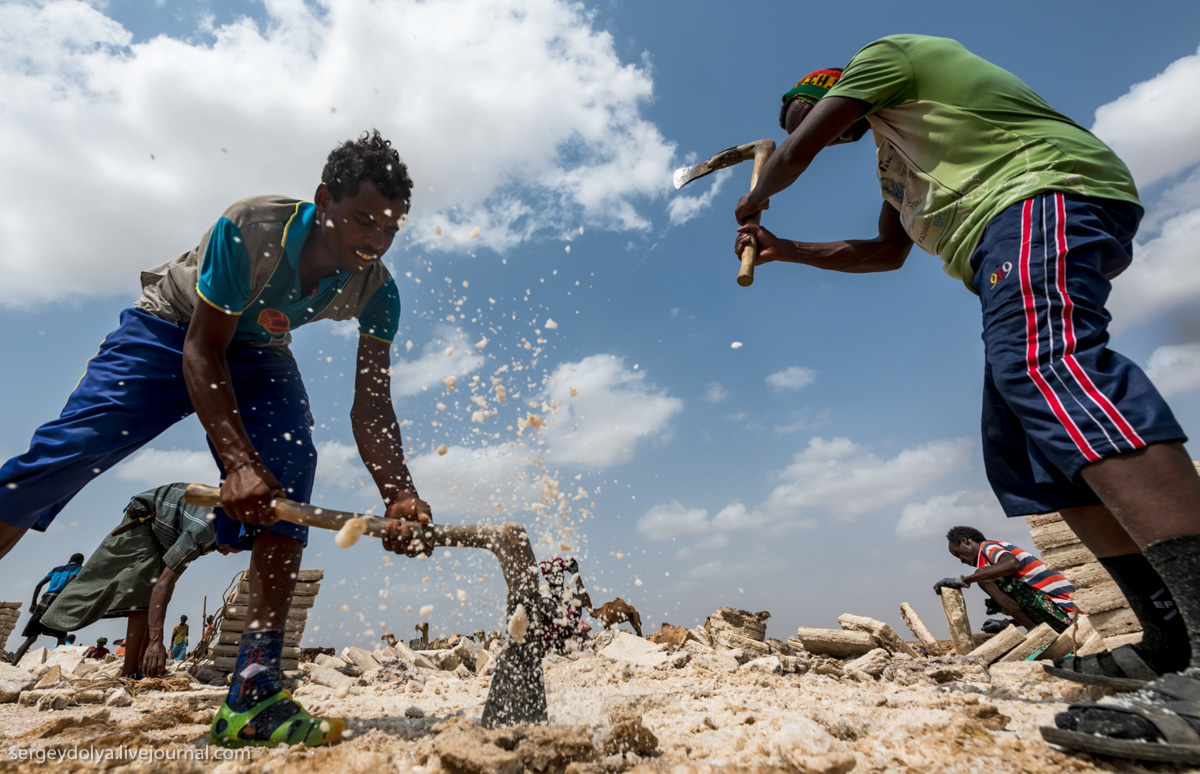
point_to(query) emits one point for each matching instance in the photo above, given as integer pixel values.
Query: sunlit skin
(347, 235)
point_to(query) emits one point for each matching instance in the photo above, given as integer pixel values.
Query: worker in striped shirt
(1016, 582)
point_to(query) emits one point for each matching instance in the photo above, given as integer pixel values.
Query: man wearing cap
(97, 651)
(1035, 215)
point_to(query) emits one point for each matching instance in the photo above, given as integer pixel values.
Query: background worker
(1035, 215)
(1019, 583)
(58, 578)
(133, 572)
(179, 639)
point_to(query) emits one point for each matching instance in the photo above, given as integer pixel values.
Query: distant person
(207, 635)
(133, 572)
(98, 651)
(1035, 215)
(120, 651)
(179, 639)
(58, 578)
(1017, 582)
(69, 641)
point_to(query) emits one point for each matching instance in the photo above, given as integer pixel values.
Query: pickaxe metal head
(726, 158)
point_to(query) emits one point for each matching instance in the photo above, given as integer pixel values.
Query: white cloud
(1154, 126)
(448, 353)
(843, 479)
(804, 419)
(792, 378)
(672, 520)
(933, 517)
(154, 467)
(715, 393)
(683, 208)
(476, 484)
(155, 139)
(1175, 369)
(611, 410)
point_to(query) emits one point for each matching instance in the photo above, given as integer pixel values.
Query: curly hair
(370, 157)
(958, 534)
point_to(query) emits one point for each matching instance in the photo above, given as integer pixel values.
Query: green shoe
(288, 723)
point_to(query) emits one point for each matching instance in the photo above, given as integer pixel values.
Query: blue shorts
(179, 651)
(1055, 397)
(133, 390)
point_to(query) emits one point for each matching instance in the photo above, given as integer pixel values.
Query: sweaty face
(360, 228)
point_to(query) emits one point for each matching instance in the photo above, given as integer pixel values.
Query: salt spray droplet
(518, 624)
(350, 532)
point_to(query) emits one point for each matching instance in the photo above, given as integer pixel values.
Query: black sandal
(1136, 673)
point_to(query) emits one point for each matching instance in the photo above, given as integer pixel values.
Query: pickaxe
(518, 691)
(760, 151)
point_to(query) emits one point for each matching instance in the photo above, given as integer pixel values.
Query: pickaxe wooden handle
(508, 542)
(762, 151)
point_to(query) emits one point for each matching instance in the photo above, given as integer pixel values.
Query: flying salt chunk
(437, 230)
(535, 420)
(441, 450)
(426, 610)
(441, 406)
(450, 350)
(501, 394)
(637, 581)
(568, 248)
(408, 345)
(350, 532)
(551, 324)
(736, 345)
(574, 392)
(462, 595)
(518, 624)
(479, 416)
(483, 342)
(563, 546)
(451, 382)
(474, 233)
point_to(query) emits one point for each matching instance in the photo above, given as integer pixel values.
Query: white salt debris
(518, 624)
(350, 532)
(441, 450)
(426, 610)
(736, 345)
(461, 595)
(451, 382)
(551, 324)
(474, 233)
(568, 248)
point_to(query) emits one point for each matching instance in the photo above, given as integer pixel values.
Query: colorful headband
(813, 86)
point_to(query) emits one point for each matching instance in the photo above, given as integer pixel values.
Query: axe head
(726, 158)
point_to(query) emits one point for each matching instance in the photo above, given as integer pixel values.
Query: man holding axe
(1034, 215)
(210, 334)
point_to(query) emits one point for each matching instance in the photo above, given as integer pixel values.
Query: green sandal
(291, 724)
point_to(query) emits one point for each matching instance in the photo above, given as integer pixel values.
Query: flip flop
(1180, 742)
(1086, 669)
(290, 725)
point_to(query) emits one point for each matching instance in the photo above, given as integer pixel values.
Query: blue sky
(798, 446)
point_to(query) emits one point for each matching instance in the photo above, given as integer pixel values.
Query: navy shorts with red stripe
(1055, 397)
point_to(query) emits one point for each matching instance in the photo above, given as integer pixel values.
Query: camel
(613, 613)
(672, 635)
(422, 642)
(390, 639)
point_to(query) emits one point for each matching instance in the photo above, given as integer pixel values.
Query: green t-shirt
(960, 139)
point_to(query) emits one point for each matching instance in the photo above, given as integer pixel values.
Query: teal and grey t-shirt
(959, 139)
(248, 265)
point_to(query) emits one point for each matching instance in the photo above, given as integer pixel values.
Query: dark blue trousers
(133, 390)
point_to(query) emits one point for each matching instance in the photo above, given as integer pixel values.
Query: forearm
(1006, 566)
(210, 387)
(160, 597)
(377, 433)
(854, 256)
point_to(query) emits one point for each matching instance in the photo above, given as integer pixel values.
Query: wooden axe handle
(492, 537)
(762, 151)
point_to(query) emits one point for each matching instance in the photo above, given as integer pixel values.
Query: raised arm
(249, 486)
(377, 433)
